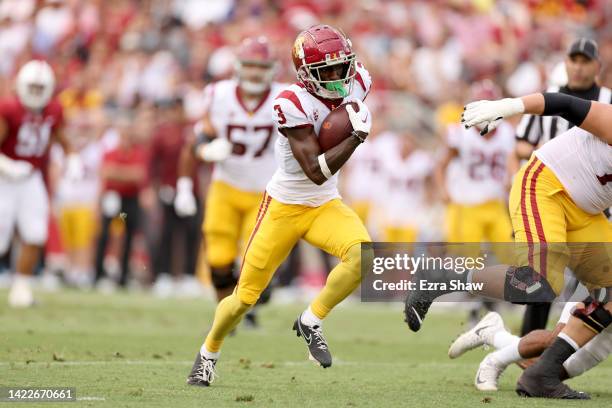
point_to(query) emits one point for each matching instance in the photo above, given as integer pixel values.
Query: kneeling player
(510, 349)
(557, 198)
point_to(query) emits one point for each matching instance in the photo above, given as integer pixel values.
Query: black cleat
(415, 310)
(317, 346)
(203, 371)
(418, 301)
(536, 383)
(250, 320)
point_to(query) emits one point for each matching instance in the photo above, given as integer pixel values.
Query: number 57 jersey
(250, 129)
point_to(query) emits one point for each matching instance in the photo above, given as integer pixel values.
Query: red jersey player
(29, 121)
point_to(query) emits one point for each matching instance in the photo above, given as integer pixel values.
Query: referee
(582, 65)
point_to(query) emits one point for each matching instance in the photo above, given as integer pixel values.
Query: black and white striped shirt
(538, 130)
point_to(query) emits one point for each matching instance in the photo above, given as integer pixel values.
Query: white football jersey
(583, 164)
(402, 198)
(252, 131)
(363, 165)
(295, 107)
(479, 173)
(85, 190)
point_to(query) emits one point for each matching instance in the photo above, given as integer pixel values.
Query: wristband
(356, 135)
(323, 165)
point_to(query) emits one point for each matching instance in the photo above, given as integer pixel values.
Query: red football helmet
(255, 65)
(319, 52)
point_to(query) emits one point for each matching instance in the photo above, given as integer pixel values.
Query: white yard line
(253, 363)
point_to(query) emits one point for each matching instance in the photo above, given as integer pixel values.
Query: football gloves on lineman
(486, 115)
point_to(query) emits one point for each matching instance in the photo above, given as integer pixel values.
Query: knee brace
(603, 295)
(593, 315)
(223, 278)
(524, 285)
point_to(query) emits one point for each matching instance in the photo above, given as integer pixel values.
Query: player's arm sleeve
(529, 129)
(208, 96)
(289, 112)
(203, 129)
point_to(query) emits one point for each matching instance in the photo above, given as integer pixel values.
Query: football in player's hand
(336, 127)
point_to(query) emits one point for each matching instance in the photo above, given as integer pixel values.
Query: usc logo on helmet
(298, 49)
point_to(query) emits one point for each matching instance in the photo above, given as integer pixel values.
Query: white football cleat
(479, 335)
(21, 295)
(487, 375)
(163, 286)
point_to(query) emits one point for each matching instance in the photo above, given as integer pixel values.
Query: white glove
(74, 167)
(361, 120)
(217, 150)
(488, 114)
(14, 169)
(185, 203)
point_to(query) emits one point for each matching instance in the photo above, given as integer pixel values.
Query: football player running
(236, 134)
(302, 200)
(557, 198)
(29, 122)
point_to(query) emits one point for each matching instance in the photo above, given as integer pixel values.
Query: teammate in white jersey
(405, 178)
(473, 178)
(302, 199)
(556, 201)
(237, 134)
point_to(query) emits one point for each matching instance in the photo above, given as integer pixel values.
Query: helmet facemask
(315, 75)
(255, 77)
(35, 85)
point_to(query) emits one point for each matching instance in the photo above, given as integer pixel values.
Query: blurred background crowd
(131, 73)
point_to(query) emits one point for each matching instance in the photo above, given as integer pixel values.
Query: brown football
(336, 127)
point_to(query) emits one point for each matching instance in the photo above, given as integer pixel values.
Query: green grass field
(134, 350)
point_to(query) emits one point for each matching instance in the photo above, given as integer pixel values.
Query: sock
(503, 338)
(341, 282)
(558, 352)
(508, 354)
(22, 278)
(209, 354)
(569, 341)
(227, 316)
(310, 319)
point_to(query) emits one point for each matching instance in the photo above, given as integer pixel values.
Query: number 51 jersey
(29, 133)
(251, 130)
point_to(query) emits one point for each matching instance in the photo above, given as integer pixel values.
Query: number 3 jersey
(295, 107)
(252, 131)
(29, 133)
(478, 174)
(583, 164)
